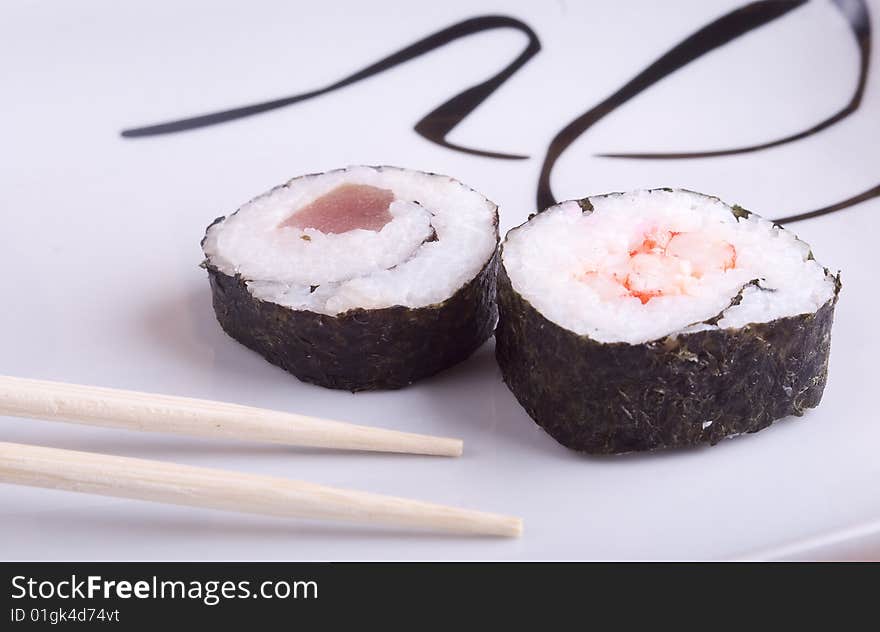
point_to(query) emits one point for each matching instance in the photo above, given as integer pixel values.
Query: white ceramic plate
(99, 248)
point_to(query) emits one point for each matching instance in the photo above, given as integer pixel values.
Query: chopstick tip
(456, 447)
(504, 526)
(442, 446)
(516, 528)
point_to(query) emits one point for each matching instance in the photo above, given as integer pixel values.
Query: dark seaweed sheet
(682, 390)
(359, 349)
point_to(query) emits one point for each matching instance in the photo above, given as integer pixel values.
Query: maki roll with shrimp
(660, 319)
(361, 278)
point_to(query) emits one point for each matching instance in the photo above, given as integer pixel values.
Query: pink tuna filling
(345, 208)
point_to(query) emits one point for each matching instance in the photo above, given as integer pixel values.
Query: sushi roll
(360, 278)
(660, 319)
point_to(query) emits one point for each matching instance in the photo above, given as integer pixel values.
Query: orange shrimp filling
(664, 263)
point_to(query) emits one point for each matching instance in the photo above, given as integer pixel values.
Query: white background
(99, 248)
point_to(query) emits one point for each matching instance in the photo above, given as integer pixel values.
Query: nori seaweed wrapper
(360, 349)
(683, 390)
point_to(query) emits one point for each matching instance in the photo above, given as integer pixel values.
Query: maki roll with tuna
(659, 319)
(360, 278)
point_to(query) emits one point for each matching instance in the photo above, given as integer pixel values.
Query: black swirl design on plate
(723, 30)
(856, 14)
(864, 196)
(715, 34)
(434, 126)
(437, 124)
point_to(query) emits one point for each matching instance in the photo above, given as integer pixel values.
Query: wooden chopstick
(172, 483)
(112, 408)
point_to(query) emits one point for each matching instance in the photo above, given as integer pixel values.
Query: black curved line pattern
(856, 14)
(438, 123)
(715, 34)
(434, 126)
(856, 199)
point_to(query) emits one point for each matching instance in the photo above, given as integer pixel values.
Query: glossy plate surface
(99, 248)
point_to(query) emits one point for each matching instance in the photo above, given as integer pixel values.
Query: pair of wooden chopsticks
(219, 489)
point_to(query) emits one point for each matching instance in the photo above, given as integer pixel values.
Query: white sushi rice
(546, 258)
(400, 264)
